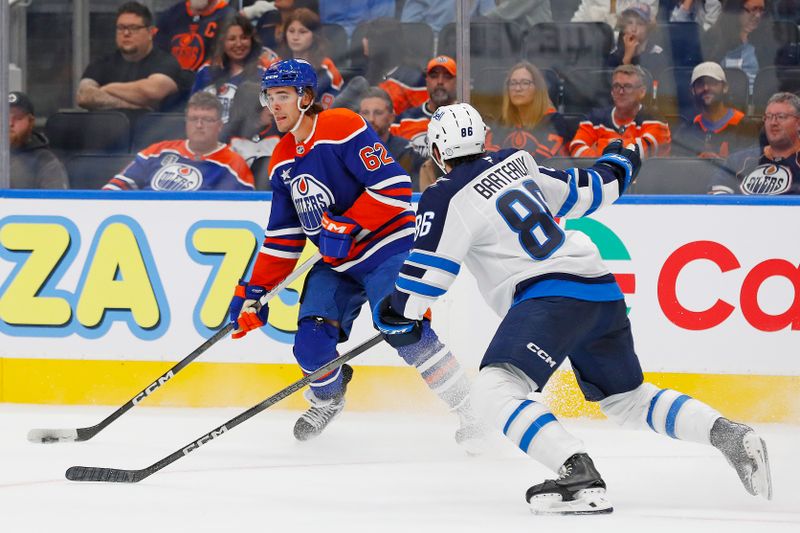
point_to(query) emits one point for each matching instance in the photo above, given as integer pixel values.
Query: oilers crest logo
(311, 198)
(419, 143)
(176, 177)
(767, 179)
(189, 49)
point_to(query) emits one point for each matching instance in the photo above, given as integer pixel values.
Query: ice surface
(369, 472)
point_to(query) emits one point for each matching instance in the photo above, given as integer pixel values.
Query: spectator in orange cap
(440, 81)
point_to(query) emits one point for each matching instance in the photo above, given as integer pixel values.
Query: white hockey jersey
(497, 215)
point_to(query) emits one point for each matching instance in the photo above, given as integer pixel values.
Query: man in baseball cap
(33, 165)
(717, 130)
(440, 81)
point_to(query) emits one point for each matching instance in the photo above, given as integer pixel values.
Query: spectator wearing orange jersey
(440, 81)
(627, 119)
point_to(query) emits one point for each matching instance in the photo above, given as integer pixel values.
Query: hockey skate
(316, 419)
(747, 454)
(579, 489)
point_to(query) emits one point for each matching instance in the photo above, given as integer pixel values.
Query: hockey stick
(118, 475)
(82, 434)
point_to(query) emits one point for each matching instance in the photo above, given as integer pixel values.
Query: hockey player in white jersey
(495, 212)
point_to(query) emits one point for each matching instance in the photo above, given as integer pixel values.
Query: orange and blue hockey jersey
(190, 37)
(649, 132)
(343, 168)
(171, 166)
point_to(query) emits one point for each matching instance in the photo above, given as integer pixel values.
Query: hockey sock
(438, 367)
(665, 411)
(500, 397)
(314, 346)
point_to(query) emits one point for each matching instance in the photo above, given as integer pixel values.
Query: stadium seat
(563, 10)
(336, 43)
(96, 131)
(418, 41)
(574, 44)
(563, 163)
(492, 43)
(92, 171)
(586, 89)
(771, 80)
(675, 175)
(155, 127)
(260, 169)
(573, 120)
(681, 43)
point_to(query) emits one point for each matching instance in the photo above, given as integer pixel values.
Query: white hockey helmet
(456, 130)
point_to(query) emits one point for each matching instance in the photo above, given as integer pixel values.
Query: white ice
(369, 472)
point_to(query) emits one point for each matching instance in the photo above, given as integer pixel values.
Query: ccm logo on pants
(542, 354)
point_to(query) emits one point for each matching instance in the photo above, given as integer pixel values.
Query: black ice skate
(316, 419)
(746, 452)
(579, 489)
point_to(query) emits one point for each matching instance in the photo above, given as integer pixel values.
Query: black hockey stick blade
(117, 475)
(48, 436)
(110, 475)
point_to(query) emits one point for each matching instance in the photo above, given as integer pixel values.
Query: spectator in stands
(376, 108)
(742, 38)
(251, 130)
(627, 119)
(200, 162)
(773, 169)
(33, 165)
(635, 45)
(137, 75)
(440, 81)
(438, 13)
(703, 12)
(187, 30)
(349, 13)
(608, 10)
(305, 41)
(529, 121)
(271, 16)
(391, 67)
(236, 58)
(717, 130)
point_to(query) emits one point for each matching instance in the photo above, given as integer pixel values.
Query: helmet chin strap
(438, 160)
(302, 112)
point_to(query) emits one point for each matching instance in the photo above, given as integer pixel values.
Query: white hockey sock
(444, 376)
(665, 411)
(499, 396)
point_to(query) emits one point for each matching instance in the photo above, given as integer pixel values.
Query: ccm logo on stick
(152, 387)
(204, 440)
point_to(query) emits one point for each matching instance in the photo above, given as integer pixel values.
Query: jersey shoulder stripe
(154, 150)
(337, 126)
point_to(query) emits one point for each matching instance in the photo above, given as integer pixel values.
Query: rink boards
(100, 293)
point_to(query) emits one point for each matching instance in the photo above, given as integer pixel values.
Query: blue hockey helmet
(297, 73)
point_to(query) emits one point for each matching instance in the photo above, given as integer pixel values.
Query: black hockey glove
(623, 162)
(397, 330)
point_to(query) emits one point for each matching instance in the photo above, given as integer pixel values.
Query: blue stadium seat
(92, 171)
(95, 131)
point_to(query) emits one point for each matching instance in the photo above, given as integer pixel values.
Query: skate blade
(761, 478)
(587, 501)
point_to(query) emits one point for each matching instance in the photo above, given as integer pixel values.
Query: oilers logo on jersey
(177, 177)
(767, 179)
(311, 198)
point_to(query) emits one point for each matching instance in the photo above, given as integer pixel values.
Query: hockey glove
(244, 312)
(337, 236)
(397, 330)
(623, 162)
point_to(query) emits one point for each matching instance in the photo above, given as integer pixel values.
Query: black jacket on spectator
(34, 166)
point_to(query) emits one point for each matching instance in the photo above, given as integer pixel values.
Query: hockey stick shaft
(117, 475)
(83, 434)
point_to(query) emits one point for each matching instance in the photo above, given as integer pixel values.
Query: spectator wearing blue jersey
(236, 59)
(199, 162)
(188, 29)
